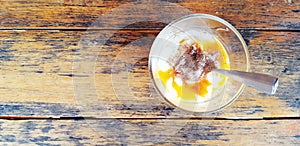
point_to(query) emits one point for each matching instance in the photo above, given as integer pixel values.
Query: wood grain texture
(65, 62)
(38, 76)
(70, 14)
(137, 132)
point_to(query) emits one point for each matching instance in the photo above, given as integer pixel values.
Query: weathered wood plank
(37, 71)
(149, 132)
(68, 14)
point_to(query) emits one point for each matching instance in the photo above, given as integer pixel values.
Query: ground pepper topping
(194, 64)
(191, 67)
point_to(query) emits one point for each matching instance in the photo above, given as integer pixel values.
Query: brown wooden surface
(37, 67)
(47, 50)
(66, 14)
(136, 132)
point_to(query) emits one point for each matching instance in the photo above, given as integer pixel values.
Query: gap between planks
(128, 29)
(155, 118)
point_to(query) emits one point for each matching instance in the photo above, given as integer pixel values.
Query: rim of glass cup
(241, 40)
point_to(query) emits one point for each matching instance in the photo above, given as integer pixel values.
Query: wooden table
(75, 72)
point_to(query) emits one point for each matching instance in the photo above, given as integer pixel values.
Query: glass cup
(215, 37)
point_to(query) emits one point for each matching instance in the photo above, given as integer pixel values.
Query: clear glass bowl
(201, 28)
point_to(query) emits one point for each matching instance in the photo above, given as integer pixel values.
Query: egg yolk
(185, 91)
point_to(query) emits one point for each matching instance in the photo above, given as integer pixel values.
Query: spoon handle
(262, 82)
